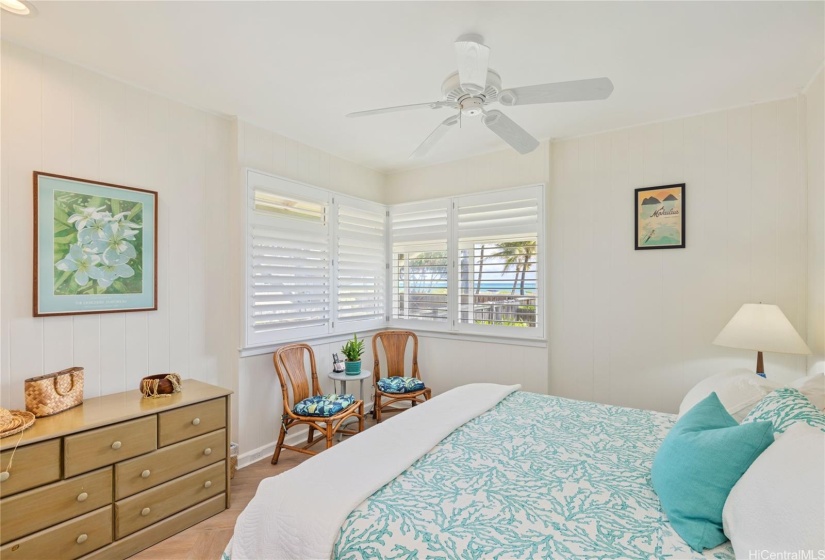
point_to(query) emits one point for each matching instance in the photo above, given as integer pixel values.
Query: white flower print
(83, 264)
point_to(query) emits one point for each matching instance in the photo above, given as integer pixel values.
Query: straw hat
(14, 421)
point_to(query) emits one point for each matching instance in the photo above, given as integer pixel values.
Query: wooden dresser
(115, 475)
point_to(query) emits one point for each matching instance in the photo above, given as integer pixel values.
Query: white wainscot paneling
(635, 328)
(70, 121)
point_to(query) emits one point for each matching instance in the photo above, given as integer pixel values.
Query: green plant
(353, 349)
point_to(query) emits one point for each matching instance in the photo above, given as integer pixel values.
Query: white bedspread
(298, 514)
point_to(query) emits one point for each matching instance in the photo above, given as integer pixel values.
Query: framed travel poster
(660, 217)
(95, 247)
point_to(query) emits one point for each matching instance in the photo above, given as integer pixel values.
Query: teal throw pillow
(699, 461)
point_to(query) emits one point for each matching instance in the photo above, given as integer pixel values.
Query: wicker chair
(395, 345)
(289, 362)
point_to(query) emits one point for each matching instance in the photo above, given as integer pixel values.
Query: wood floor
(207, 539)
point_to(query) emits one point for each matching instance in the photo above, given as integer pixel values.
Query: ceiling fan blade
(577, 90)
(434, 137)
(433, 105)
(510, 132)
(472, 57)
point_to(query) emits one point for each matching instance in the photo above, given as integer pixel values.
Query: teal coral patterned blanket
(535, 477)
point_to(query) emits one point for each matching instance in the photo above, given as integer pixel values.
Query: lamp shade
(764, 328)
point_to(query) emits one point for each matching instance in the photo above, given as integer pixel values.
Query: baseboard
(295, 437)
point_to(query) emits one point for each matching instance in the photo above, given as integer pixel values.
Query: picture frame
(659, 217)
(95, 247)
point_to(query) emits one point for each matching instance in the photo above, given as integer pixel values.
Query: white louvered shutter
(360, 264)
(420, 262)
(288, 260)
(499, 244)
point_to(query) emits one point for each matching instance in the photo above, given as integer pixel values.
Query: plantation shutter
(360, 264)
(420, 262)
(288, 260)
(499, 244)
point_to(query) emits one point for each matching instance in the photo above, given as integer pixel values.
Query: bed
(482, 471)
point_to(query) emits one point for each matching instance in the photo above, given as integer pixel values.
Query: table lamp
(764, 328)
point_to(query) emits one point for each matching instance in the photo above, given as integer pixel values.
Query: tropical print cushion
(323, 405)
(534, 477)
(784, 408)
(400, 384)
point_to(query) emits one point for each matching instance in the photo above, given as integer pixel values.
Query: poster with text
(660, 217)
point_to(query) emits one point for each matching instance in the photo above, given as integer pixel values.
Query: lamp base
(760, 365)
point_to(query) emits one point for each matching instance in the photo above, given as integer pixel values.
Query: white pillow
(738, 390)
(778, 505)
(812, 387)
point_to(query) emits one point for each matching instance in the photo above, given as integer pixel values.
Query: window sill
(312, 341)
(422, 333)
(485, 338)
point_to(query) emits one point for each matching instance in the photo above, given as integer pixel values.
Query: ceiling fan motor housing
(452, 91)
(472, 106)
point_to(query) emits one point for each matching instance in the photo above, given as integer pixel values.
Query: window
(360, 263)
(498, 252)
(316, 262)
(469, 264)
(288, 260)
(320, 263)
(420, 262)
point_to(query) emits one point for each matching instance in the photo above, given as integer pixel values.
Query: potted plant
(353, 350)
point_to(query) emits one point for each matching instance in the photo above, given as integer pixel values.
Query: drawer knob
(207, 451)
(4, 476)
(196, 421)
(82, 497)
(145, 511)
(82, 538)
(207, 484)
(116, 445)
(145, 474)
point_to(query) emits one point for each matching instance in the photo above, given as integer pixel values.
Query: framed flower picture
(95, 247)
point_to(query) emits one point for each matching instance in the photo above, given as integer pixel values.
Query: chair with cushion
(325, 413)
(396, 387)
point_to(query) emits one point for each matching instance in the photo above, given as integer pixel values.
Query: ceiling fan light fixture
(472, 106)
(18, 7)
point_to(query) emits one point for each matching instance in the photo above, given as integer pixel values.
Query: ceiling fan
(475, 86)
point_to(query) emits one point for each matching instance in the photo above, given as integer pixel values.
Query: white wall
(496, 170)
(259, 394)
(635, 328)
(59, 118)
(815, 123)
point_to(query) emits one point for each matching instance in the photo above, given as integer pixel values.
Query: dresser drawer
(104, 446)
(167, 463)
(43, 507)
(161, 530)
(68, 540)
(141, 510)
(33, 465)
(190, 421)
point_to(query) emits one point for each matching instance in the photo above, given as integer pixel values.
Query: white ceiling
(298, 67)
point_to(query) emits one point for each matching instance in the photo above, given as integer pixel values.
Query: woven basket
(56, 392)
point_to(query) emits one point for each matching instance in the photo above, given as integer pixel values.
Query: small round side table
(343, 378)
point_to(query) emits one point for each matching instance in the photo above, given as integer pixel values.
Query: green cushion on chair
(400, 384)
(323, 405)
